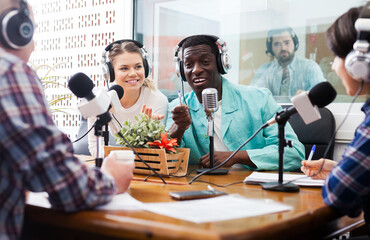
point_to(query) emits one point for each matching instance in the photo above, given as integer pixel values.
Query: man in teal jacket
(242, 110)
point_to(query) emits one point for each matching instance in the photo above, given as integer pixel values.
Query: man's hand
(122, 172)
(181, 121)
(240, 157)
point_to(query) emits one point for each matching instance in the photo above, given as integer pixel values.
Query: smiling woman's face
(129, 71)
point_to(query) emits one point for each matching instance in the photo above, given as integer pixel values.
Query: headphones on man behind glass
(223, 60)
(16, 27)
(274, 32)
(357, 62)
(108, 70)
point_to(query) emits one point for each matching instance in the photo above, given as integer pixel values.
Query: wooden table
(310, 219)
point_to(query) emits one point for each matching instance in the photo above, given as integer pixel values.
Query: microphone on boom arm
(306, 104)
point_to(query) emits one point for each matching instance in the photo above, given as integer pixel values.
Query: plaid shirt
(347, 188)
(35, 155)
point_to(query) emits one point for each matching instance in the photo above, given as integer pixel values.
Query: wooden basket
(164, 163)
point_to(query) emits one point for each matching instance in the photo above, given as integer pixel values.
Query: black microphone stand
(210, 133)
(102, 120)
(281, 119)
(106, 135)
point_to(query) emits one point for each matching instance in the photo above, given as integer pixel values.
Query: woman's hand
(318, 169)
(148, 112)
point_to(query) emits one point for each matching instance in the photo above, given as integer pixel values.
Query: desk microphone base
(218, 171)
(280, 187)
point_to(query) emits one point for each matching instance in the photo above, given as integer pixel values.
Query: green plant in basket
(146, 133)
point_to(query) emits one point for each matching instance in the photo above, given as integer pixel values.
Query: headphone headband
(109, 47)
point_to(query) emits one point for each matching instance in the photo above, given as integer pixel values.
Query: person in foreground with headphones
(347, 185)
(126, 63)
(242, 110)
(287, 74)
(34, 154)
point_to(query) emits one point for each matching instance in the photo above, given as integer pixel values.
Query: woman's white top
(153, 99)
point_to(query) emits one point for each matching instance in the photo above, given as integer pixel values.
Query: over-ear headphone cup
(269, 47)
(220, 67)
(111, 72)
(296, 43)
(182, 72)
(358, 65)
(18, 29)
(146, 68)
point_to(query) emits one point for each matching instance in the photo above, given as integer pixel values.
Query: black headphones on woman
(357, 62)
(16, 27)
(107, 67)
(275, 32)
(223, 60)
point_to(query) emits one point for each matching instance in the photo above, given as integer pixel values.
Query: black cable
(226, 185)
(117, 120)
(344, 119)
(291, 181)
(84, 134)
(93, 127)
(339, 126)
(170, 175)
(232, 155)
(155, 172)
(187, 174)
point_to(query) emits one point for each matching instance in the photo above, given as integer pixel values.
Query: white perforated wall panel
(70, 37)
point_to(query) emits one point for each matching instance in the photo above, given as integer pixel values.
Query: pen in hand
(180, 96)
(311, 153)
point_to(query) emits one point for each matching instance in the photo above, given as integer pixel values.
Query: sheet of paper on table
(299, 179)
(217, 209)
(198, 211)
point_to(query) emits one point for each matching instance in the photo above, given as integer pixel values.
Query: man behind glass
(287, 74)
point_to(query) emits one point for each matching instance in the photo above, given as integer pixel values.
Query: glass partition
(257, 58)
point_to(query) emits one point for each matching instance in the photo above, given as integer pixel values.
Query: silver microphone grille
(210, 100)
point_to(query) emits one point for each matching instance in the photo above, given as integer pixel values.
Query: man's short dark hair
(201, 40)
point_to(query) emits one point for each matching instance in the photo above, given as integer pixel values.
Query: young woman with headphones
(347, 186)
(126, 63)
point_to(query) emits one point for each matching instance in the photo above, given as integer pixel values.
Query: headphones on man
(16, 27)
(275, 32)
(357, 62)
(108, 70)
(223, 60)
